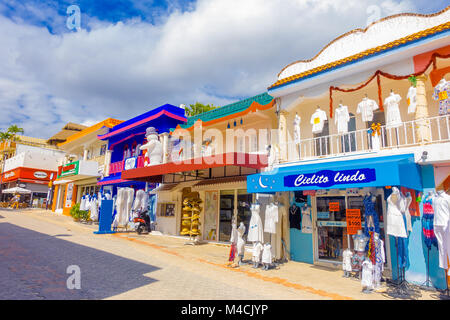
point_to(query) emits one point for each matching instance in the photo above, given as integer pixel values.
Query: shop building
(208, 168)
(124, 142)
(81, 167)
(364, 115)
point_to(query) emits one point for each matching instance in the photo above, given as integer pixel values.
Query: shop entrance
(332, 238)
(226, 212)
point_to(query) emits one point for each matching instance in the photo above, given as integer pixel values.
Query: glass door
(331, 227)
(244, 214)
(226, 210)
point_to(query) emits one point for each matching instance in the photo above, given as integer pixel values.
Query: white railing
(410, 133)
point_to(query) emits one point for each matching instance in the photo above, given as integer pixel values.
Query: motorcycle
(142, 222)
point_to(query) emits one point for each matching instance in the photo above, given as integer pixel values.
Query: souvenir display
(395, 223)
(256, 254)
(367, 275)
(266, 258)
(191, 217)
(347, 262)
(306, 219)
(152, 150)
(441, 207)
(342, 118)
(255, 232)
(318, 120)
(393, 118)
(427, 222)
(442, 95)
(366, 108)
(371, 216)
(271, 218)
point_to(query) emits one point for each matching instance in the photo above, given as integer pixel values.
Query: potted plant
(75, 212)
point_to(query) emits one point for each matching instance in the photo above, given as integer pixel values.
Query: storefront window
(243, 213)
(226, 211)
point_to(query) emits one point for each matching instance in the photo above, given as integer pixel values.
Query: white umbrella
(16, 190)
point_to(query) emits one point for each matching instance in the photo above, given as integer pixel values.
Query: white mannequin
(341, 119)
(405, 202)
(393, 118)
(366, 108)
(360, 241)
(255, 232)
(318, 119)
(240, 244)
(395, 224)
(441, 207)
(367, 276)
(267, 256)
(256, 257)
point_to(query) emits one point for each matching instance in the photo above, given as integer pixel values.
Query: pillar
(282, 136)
(107, 163)
(165, 145)
(85, 154)
(422, 123)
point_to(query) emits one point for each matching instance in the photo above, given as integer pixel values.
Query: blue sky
(132, 55)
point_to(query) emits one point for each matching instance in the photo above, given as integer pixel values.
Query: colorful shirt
(442, 94)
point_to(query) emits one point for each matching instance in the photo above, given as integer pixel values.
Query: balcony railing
(410, 133)
(118, 166)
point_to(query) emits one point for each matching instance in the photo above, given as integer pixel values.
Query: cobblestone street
(36, 247)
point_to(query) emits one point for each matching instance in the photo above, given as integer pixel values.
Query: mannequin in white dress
(256, 256)
(240, 243)
(441, 206)
(255, 232)
(341, 119)
(393, 118)
(297, 121)
(266, 256)
(411, 99)
(347, 262)
(395, 224)
(367, 276)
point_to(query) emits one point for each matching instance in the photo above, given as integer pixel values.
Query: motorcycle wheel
(139, 229)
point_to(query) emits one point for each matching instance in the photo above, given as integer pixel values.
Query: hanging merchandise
(441, 206)
(294, 217)
(94, 208)
(395, 224)
(393, 118)
(367, 276)
(371, 216)
(318, 120)
(380, 260)
(297, 121)
(256, 255)
(306, 219)
(442, 94)
(233, 241)
(411, 99)
(427, 222)
(255, 232)
(405, 202)
(191, 217)
(342, 119)
(360, 242)
(366, 108)
(271, 218)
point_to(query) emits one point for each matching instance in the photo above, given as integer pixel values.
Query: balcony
(435, 129)
(118, 166)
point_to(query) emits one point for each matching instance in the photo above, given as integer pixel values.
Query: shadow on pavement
(33, 265)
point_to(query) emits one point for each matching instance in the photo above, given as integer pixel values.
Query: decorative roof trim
(364, 30)
(364, 54)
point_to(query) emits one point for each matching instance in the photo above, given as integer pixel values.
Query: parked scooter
(142, 222)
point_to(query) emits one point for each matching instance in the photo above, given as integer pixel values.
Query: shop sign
(130, 163)
(329, 178)
(9, 174)
(323, 215)
(69, 169)
(309, 192)
(333, 206)
(353, 221)
(342, 224)
(40, 174)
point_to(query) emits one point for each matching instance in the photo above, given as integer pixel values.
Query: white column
(423, 129)
(85, 153)
(165, 144)
(107, 162)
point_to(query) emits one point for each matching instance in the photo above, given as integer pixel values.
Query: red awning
(154, 173)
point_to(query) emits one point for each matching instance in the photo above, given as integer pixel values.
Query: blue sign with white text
(328, 178)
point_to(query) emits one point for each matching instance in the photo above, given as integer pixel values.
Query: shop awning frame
(154, 173)
(398, 170)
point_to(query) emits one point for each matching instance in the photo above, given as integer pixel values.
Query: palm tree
(198, 108)
(14, 130)
(5, 136)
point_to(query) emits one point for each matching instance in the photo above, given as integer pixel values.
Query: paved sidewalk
(322, 282)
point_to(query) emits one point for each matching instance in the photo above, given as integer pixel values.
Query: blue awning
(398, 170)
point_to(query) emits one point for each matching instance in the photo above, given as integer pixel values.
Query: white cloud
(219, 48)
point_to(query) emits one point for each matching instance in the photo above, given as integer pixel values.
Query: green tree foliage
(198, 108)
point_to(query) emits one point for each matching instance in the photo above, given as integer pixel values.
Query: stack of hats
(191, 216)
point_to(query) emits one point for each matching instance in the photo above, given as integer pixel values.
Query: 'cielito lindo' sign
(329, 178)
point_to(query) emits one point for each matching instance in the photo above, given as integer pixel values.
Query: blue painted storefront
(389, 171)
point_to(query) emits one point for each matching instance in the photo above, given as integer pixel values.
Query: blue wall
(301, 244)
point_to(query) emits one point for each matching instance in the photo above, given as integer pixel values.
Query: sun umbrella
(16, 190)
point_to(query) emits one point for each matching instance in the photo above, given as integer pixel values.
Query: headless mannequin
(240, 244)
(257, 249)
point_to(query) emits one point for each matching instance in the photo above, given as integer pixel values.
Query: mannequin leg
(442, 239)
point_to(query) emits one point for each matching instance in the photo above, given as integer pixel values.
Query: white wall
(33, 159)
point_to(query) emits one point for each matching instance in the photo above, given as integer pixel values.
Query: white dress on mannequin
(367, 274)
(366, 107)
(393, 118)
(412, 99)
(347, 260)
(271, 218)
(441, 206)
(395, 224)
(267, 254)
(240, 244)
(404, 203)
(255, 227)
(257, 249)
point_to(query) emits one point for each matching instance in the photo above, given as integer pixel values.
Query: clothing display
(240, 243)
(297, 121)
(367, 274)
(271, 218)
(294, 217)
(342, 118)
(357, 260)
(93, 205)
(267, 254)
(427, 223)
(405, 202)
(393, 118)
(371, 216)
(360, 242)
(318, 120)
(255, 232)
(347, 260)
(441, 206)
(366, 108)
(306, 219)
(411, 99)
(257, 249)
(395, 223)
(442, 95)
(380, 260)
